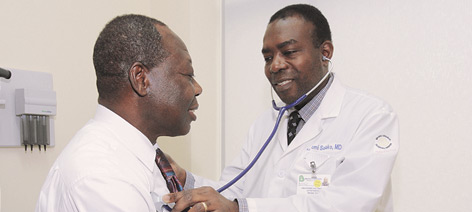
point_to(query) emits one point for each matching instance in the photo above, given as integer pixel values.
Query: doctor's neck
(312, 94)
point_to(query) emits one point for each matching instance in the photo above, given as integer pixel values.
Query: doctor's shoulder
(263, 122)
(372, 119)
(363, 100)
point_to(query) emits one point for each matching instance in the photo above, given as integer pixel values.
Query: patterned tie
(173, 183)
(293, 121)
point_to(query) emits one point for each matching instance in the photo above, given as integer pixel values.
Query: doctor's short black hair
(125, 40)
(311, 14)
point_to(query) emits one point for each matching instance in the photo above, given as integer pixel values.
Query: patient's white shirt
(108, 166)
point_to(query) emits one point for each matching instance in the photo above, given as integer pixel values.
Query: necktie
(173, 183)
(293, 121)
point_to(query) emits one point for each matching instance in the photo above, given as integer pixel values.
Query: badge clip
(313, 166)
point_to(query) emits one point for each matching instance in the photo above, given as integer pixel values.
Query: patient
(146, 90)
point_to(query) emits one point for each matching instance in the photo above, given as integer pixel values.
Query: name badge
(311, 184)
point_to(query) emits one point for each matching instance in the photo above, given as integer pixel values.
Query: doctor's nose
(278, 63)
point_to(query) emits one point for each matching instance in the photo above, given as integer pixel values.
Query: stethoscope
(279, 117)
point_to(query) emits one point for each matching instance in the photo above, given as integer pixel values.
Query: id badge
(312, 184)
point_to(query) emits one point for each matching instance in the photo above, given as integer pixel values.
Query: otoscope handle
(5, 73)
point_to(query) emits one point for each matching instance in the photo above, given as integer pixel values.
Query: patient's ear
(138, 77)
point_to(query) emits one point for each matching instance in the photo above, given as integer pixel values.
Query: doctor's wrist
(242, 204)
(235, 206)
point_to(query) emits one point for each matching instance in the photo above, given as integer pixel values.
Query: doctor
(333, 152)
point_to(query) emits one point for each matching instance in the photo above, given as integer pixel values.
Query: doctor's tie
(173, 184)
(293, 121)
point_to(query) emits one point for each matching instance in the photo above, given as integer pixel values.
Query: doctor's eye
(289, 52)
(267, 59)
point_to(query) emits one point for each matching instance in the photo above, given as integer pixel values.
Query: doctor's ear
(138, 77)
(327, 50)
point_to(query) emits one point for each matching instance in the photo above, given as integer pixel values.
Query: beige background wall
(414, 54)
(58, 36)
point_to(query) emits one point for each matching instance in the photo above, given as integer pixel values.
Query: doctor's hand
(201, 200)
(179, 171)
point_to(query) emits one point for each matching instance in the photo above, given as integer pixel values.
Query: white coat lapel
(310, 130)
(282, 132)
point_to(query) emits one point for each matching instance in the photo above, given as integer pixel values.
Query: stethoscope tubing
(279, 117)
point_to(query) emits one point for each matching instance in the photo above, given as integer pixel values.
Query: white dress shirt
(107, 166)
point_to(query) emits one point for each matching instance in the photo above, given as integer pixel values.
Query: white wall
(413, 54)
(58, 37)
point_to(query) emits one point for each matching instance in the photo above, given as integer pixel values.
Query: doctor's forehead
(283, 32)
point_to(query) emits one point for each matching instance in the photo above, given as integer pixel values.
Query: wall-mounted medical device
(27, 106)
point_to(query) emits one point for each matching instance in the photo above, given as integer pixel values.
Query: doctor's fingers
(203, 199)
(216, 203)
(189, 198)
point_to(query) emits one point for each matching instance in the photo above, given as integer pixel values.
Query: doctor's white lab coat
(353, 141)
